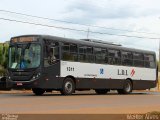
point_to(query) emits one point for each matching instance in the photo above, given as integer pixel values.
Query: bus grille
(21, 76)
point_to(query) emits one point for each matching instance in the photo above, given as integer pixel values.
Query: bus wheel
(101, 91)
(127, 88)
(38, 91)
(68, 87)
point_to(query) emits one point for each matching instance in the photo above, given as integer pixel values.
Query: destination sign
(23, 39)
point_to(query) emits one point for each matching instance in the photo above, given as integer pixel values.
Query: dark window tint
(90, 58)
(138, 56)
(82, 53)
(139, 63)
(89, 50)
(65, 47)
(114, 57)
(86, 54)
(82, 49)
(149, 61)
(127, 55)
(127, 58)
(51, 52)
(97, 50)
(82, 58)
(148, 57)
(69, 52)
(138, 59)
(69, 56)
(89, 54)
(100, 55)
(73, 48)
(114, 53)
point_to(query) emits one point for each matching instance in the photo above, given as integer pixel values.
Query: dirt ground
(24, 102)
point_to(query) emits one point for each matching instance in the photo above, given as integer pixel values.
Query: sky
(142, 16)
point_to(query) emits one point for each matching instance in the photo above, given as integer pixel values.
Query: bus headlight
(36, 76)
(8, 77)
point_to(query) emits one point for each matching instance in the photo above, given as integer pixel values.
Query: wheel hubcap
(128, 87)
(68, 87)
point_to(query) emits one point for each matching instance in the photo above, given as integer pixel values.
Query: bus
(45, 63)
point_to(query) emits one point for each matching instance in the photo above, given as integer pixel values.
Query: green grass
(154, 113)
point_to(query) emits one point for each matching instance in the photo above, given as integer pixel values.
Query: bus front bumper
(21, 84)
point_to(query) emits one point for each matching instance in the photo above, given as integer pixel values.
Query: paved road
(81, 102)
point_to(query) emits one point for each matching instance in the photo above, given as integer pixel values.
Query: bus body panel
(101, 71)
(90, 75)
(51, 77)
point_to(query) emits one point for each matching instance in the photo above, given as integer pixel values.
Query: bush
(2, 72)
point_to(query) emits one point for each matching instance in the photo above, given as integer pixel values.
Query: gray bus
(44, 63)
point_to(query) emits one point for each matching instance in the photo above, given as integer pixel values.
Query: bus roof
(89, 42)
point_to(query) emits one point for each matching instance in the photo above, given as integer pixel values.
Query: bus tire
(127, 88)
(101, 91)
(68, 86)
(38, 91)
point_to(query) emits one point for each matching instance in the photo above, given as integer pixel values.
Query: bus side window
(65, 51)
(100, 55)
(69, 52)
(89, 54)
(149, 61)
(127, 58)
(82, 53)
(73, 52)
(111, 57)
(138, 59)
(114, 57)
(51, 52)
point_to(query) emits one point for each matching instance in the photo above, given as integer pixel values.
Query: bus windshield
(23, 56)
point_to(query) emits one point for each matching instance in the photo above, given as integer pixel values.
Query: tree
(3, 57)
(158, 63)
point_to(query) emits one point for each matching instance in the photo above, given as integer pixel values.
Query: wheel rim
(68, 87)
(128, 87)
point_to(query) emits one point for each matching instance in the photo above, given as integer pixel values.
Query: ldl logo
(102, 71)
(133, 72)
